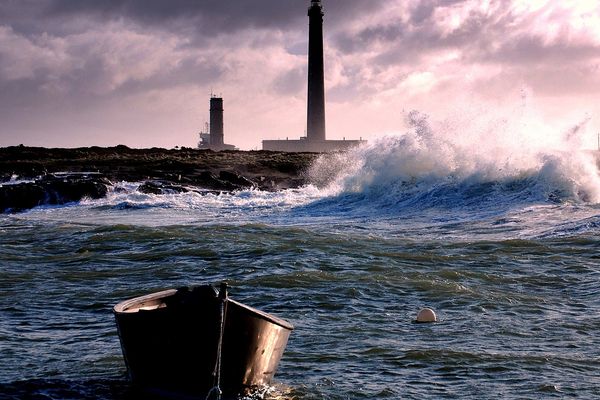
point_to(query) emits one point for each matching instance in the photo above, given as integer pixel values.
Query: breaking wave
(443, 166)
(126, 195)
(499, 173)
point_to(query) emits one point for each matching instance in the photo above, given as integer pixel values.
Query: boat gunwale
(121, 307)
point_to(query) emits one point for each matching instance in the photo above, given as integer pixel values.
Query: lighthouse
(315, 127)
(214, 139)
(315, 140)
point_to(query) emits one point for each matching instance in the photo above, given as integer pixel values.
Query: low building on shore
(304, 145)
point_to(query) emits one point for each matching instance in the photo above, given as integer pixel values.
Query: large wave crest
(457, 164)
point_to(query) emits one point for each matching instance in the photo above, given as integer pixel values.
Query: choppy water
(507, 253)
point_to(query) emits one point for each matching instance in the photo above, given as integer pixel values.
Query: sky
(140, 72)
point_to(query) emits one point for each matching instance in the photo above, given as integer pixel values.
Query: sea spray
(434, 157)
(195, 205)
(470, 168)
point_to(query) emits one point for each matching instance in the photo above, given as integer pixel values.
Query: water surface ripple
(519, 309)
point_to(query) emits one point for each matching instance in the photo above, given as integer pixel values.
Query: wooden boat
(198, 342)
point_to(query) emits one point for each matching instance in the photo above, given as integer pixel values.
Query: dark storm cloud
(208, 17)
(202, 18)
(194, 23)
(356, 43)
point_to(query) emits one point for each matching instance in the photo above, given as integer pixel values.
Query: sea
(500, 236)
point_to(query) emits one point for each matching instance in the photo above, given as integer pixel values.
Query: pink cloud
(143, 78)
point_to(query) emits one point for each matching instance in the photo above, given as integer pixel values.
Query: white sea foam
(490, 172)
(476, 168)
(547, 164)
(126, 196)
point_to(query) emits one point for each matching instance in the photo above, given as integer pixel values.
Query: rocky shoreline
(33, 176)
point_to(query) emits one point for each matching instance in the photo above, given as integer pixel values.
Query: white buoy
(426, 315)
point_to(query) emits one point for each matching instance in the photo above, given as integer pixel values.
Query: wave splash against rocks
(32, 176)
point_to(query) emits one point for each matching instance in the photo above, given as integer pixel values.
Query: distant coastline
(31, 176)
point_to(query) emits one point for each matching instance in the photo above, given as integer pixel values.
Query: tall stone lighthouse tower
(315, 128)
(315, 140)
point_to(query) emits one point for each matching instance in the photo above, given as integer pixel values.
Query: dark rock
(236, 179)
(20, 196)
(157, 187)
(168, 171)
(208, 180)
(50, 190)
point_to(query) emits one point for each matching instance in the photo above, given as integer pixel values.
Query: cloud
(98, 47)
(106, 62)
(413, 35)
(203, 19)
(291, 82)
(96, 62)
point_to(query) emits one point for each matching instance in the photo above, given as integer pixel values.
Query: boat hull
(170, 342)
